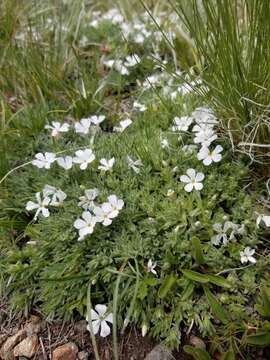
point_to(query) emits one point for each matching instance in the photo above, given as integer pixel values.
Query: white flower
(182, 123)
(209, 156)
(97, 119)
(204, 115)
(221, 233)
(246, 255)
(138, 106)
(264, 218)
(205, 137)
(40, 206)
(65, 162)
(84, 157)
(202, 127)
(57, 128)
(44, 160)
(226, 232)
(87, 201)
(132, 60)
(193, 180)
(83, 126)
(164, 143)
(85, 226)
(139, 38)
(106, 165)
(151, 267)
(123, 125)
(117, 65)
(99, 319)
(116, 204)
(58, 196)
(134, 164)
(105, 214)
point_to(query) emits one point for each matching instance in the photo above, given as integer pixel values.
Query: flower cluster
(122, 66)
(82, 157)
(51, 196)
(81, 127)
(104, 213)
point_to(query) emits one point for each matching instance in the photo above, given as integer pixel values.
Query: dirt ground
(131, 346)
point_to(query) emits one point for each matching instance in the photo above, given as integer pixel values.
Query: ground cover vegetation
(122, 196)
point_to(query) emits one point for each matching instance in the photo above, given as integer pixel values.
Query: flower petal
(101, 309)
(189, 187)
(105, 329)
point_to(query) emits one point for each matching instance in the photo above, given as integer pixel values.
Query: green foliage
(60, 76)
(231, 39)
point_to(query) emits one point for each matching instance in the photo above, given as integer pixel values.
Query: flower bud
(144, 329)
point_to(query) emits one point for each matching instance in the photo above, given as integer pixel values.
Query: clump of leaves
(231, 38)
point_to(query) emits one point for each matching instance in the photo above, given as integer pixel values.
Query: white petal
(266, 220)
(199, 176)
(252, 259)
(107, 222)
(207, 161)
(189, 187)
(101, 309)
(31, 206)
(96, 325)
(79, 224)
(198, 186)
(191, 173)
(94, 315)
(185, 179)
(218, 149)
(83, 166)
(45, 212)
(105, 329)
(217, 157)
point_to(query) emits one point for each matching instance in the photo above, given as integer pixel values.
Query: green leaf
(266, 300)
(217, 309)
(197, 248)
(229, 355)
(188, 291)
(196, 353)
(218, 280)
(142, 291)
(259, 339)
(195, 276)
(166, 285)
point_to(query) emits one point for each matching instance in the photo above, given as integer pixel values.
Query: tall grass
(232, 40)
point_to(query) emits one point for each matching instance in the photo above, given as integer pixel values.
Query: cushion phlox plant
(123, 183)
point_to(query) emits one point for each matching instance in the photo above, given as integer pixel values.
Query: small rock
(80, 326)
(27, 347)
(6, 352)
(197, 342)
(83, 355)
(159, 353)
(35, 326)
(68, 351)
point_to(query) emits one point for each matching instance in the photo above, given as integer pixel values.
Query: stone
(6, 352)
(27, 347)
(35, 325)
(159, 353)
(197, 342)
(83, 355)
(80, 326)
(67, 351)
